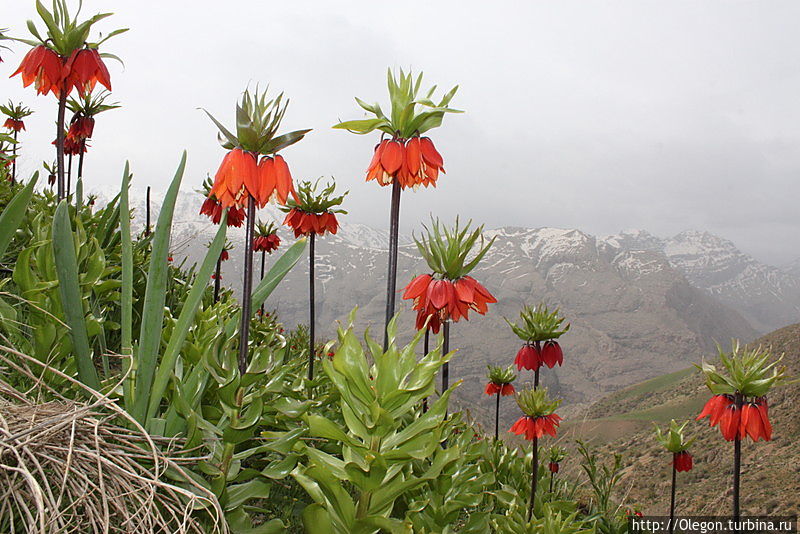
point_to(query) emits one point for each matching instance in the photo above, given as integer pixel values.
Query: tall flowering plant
(448, 293)
(61, 59)
(313, 213)
(538, 418)
(555, 456)
(739, 401)
(212, 208)
(252, 174)
(500, 383)
(224, 255)
(81, 126)
(674, 441)
(403, 157)
(539, 328)
(266, 241)
(15, 113)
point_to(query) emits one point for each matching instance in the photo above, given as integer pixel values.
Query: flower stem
(62, 108)
(69, 174)
(14, 161)
(147, 222)
(311, 320)
(446, 366)
(391, 281)
(217, 275)
(80, 159)
(426, 349)
(247, 286)
(672, 498)
(497, 417)
(737, 461)
(534, 476)
(552, 475)
(538, 346)
(445, 350)
(263, 254)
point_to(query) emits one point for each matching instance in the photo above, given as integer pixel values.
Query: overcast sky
(603, 116)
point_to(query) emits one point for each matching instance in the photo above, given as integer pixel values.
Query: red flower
(169, 258)
(528, 357)
(412, 162)
(239, 177)
(84, 69)
(682, 461)
(81, 128)
(304, 223)
(503, 389)
(715, 407)
(237, 168)
(755, 421)
(730, 423)
(445, 299)
(236, 216)
(266, 243)
(73, 147)
(553, 467)
(213, 209)
(13, 124)
(536, 427)
(44, 68)
(214, 276)
(224, 256)
(551, 354)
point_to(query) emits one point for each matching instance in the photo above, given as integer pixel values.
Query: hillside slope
(771, 471)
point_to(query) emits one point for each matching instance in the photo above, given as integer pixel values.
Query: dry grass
(68, 466)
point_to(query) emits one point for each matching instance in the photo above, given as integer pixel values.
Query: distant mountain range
(640, 305)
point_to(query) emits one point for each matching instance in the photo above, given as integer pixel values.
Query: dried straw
(68, 466)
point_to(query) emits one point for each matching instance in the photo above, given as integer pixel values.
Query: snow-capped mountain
(634, 313)
(766, 296)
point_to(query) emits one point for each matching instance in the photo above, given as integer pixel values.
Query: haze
(602, 116)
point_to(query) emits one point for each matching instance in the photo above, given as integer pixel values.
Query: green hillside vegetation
(771, 480)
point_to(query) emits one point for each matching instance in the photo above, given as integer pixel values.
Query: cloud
(593, 114)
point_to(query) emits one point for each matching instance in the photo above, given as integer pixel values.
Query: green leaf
(316, 520)
(71, 300)
(186, 318)
(14, 213)
(154, 298)
(126, 297)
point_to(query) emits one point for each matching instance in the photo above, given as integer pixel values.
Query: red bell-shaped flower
(551, 354)
(528, 357)
(44, 68)
(682, 461)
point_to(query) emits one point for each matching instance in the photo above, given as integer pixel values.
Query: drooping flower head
(85, 109)
(748, 374)
(539, 328)
(539, 414)
(555, 456)
(266, 238)
(61, 58)
(253, 168)
(500, 381)
(674, 441)
(224, 254)
(314, 211)
(213, 209)
(448, 294)
(15, 114)
(405, 156)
